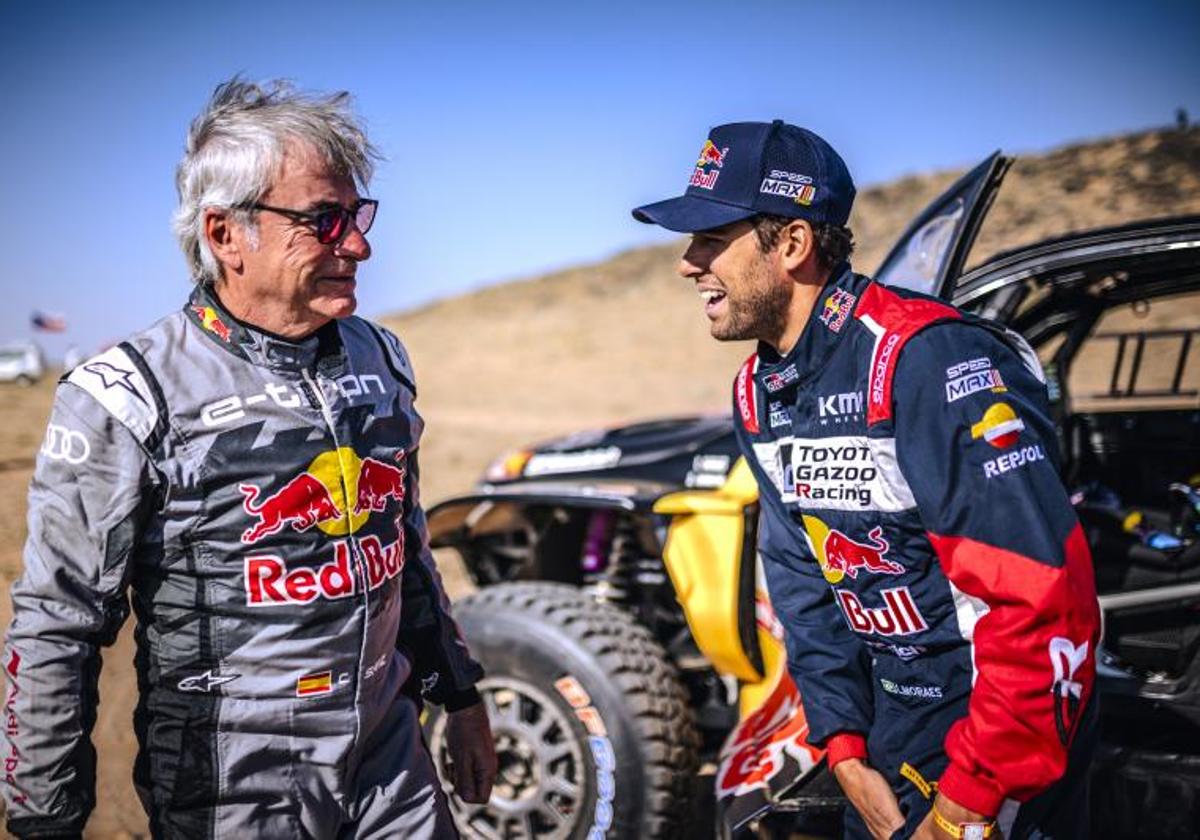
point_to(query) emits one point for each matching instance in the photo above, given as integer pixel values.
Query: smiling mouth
(713, 298)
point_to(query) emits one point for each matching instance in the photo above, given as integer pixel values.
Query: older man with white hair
(247, 468)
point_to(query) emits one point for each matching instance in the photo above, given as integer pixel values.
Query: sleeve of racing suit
(86, 501)
(828, 663)
(443, 669)
(975, 443)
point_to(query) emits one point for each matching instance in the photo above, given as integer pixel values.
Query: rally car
(628, 638)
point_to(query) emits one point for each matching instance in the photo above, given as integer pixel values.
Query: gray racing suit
(259, 499)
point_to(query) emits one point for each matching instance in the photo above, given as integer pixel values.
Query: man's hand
(871, 796)
(955, 813)
(472, 753)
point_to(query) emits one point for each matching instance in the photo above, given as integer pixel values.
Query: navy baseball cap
(749, 168)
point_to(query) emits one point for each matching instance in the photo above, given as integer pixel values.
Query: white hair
(235, 149)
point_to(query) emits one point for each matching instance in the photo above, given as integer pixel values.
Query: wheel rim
(540, 788)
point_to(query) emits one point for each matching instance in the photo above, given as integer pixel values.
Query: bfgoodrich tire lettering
(584, 702)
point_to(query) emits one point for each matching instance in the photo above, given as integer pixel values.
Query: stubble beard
(759, 312)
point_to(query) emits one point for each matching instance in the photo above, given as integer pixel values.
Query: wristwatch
(964, 831)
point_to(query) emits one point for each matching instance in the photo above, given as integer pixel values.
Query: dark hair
(833, 243)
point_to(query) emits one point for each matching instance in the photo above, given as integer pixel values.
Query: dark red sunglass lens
(330, 225)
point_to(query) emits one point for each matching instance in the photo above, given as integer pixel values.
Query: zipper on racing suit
(361, 573)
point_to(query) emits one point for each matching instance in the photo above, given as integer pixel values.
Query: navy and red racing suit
(920, 549)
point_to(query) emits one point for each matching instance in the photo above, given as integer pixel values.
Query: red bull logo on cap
(710, 155)
(708, 166)
(842, 556)
(318, 497)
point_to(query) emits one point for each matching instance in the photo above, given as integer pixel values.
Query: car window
(917, 266)
(1139, 357)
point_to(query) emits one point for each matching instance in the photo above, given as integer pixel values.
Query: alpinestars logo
(1066, 658)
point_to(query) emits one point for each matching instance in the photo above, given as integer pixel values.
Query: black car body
(1115, 315)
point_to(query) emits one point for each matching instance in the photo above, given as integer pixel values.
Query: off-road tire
(529, 636)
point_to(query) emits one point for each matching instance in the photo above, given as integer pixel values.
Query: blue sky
(519, 135)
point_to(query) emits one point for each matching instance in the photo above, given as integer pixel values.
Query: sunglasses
(331, 224)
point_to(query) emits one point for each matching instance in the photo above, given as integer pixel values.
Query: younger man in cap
(919, 547)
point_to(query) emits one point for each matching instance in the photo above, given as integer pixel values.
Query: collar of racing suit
(256, 345)
(827, 323)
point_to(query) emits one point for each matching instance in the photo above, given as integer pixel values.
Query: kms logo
(840, 407)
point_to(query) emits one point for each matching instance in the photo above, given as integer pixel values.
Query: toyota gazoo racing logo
(337, 495)
(842, 556)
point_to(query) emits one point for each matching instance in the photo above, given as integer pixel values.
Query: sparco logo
(898, 616)
(744, 394)
(63, 444)
(840, 406)
(879, 377)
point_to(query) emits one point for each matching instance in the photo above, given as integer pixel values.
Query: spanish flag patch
(319, 683)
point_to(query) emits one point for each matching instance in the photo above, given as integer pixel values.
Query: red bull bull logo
(710, 155)
(378, 483)
(847, 556)
(841, 556)
(836, 309)
(302, 503)
(318, 497)
(708, 166)
(211, 321)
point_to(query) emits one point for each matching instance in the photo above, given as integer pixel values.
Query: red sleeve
(980, 455)
(1036, 667)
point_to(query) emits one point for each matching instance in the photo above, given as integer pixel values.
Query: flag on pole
(48, 323)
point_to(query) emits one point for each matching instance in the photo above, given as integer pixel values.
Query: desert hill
(626, 338)
(607, 343)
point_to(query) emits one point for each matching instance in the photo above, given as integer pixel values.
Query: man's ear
(223, 239)
(796, 245)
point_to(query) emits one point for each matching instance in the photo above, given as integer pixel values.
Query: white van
(21, 363)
